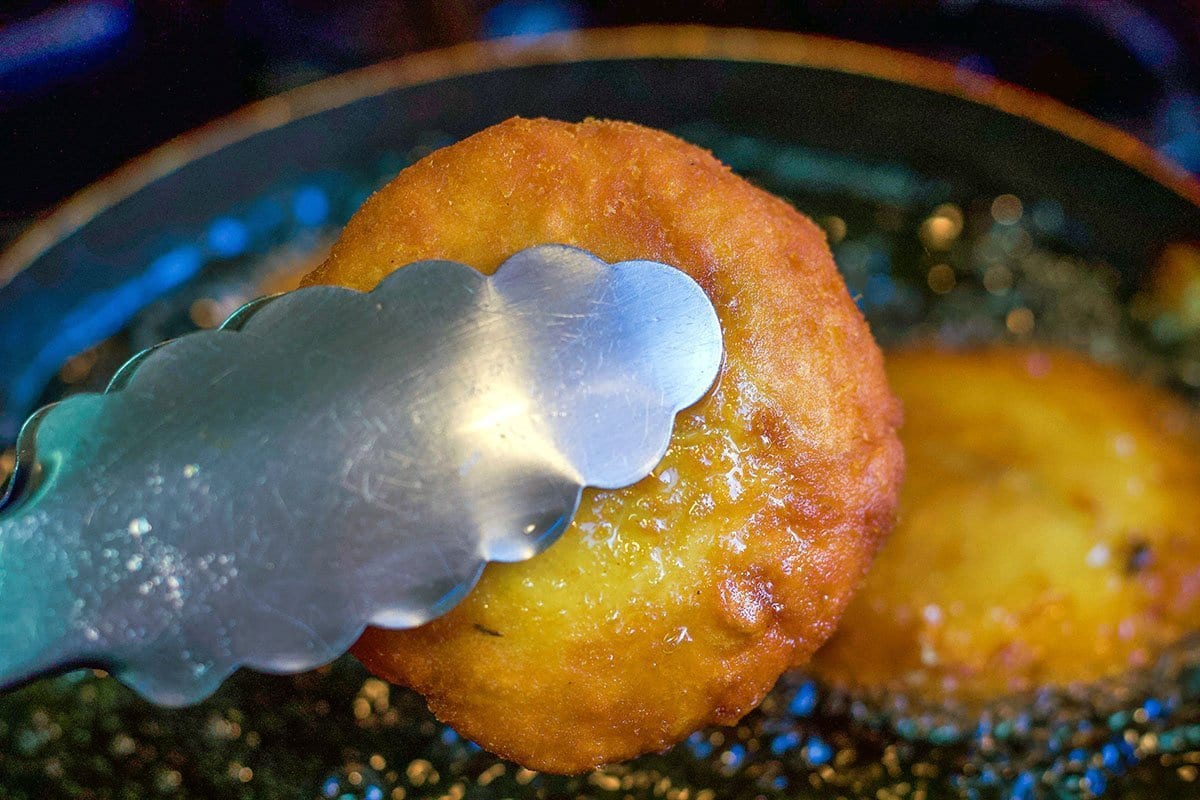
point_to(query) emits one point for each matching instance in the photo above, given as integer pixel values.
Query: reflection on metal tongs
(329, 459)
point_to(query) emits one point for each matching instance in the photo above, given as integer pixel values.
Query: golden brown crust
(679, 601)
(1049, 530)
(1172, 298)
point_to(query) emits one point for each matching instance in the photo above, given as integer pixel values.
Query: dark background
(86, 84)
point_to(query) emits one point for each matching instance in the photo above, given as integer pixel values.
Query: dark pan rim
(667, 41)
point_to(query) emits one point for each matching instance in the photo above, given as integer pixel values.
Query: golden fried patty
(1049, 530)
(677, 602)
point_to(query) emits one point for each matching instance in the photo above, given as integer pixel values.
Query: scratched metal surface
(258, 494)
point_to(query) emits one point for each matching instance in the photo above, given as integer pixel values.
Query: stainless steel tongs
(258, 494)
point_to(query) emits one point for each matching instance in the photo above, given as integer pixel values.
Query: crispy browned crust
(1049, 530)
(677, 602)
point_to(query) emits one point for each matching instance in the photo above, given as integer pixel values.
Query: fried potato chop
(678, 602)
(1049, 530)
